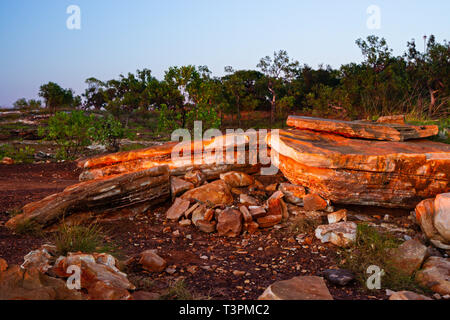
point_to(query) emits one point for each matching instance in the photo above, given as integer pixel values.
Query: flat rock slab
(100, 196)
(298, 288)
(435, 275)
(364, 130)
(363, 172)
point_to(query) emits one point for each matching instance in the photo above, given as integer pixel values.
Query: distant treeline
(415, 83)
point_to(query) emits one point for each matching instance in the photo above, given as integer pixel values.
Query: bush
(81, 239)
(75, 130)
(21, 155)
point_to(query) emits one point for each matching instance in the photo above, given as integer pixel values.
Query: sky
(118, 36)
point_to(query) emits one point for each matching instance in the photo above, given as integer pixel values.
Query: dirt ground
(213, 267)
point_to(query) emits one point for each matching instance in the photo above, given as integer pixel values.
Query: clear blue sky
(122, 36)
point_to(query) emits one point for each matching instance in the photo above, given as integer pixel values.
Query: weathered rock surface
(178, 209)
(196, 177)
(292, 193)
(151, 261)
(433, 216)
(366, 130)
(337, 216)
(298, 288)
(237, 179)
(399, 119)
(229, 223)
(101, 291)
(39, 259)
(99, 197)
(341, 234)
(435, 275)
(178, 186)
(30, 284)
(313, 202)
(409, 256)
(207, 226)
(246, 199)
(340, 277)
(215, 193)
(363, 172)
(189, 158)
(408, 295)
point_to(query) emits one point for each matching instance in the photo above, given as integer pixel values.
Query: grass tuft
(304, 225)
(177, 291)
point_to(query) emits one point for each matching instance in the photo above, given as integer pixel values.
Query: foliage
(56, 97)
(19, 155)
(23, 104)
(109, 131)
(372, 248)
(177, 291)
(87, 239)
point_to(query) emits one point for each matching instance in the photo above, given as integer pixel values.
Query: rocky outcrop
(385, 129)
(298, 288)
(363, 172)
(98, 197)
(433, 216)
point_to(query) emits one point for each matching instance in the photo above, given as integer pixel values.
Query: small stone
(272, 187)
(215, 193)
(269, 221)
(237, 179)
(238, 273)
(251, 227)
(337, 216)
(176, 233)
(170, 270)
(198, 214)
(196, 177)
(298, 288)
(177, 209)
(229, 223)
(185, 222)
(435, 275)
(292, 193)
(257, 211)
(341, 234)
(179, 186)
(192, 269)
(246, 199)
(206, 226)
(209, 214)
(409, 256)
(407, 295)
(246, 214)
(340, 276)
(313, 202)
(152, 262)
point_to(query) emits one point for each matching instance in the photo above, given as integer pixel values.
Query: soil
(213, 267)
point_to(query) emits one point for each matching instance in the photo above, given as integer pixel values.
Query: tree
(279, 71)
(55, 96)
(94, 95)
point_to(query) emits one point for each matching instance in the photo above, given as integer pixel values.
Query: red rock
(257, 212)
(409, 256)
(198, 214)
(435, 275)
(229, 223)
(152, 262)
(251, 227)
(399, 119)
(408, 295)
(237, 179)
(102, 291)
(365, 130)
(274, 205)
(269, 221)
(178, 209)
(7, 161)
(145, 296)
(179, 186)
(298, 288)
(292, 193)
(196, 177)
(364, 172)
(3, 265)
(337, 216)
(246, 199)
(215, 193)
(209, 214)
(313, 202)
(442, 215)
(246, 214)
(206, 226)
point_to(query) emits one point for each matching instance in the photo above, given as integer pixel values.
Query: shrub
(80, 238)
(21, 155)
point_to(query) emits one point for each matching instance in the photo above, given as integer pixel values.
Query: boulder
(340, 277)
(39, 259)
(292, 193)
(432, 214)
(178, 209)
(101, 291)
(313, 202)
(298, 288)
(409, 256)
(435, 275)
(229, 223)
(408, 295)
(341, 234)
(337, 216)
(237, 179)
(30, 284)
(363, 172)
(151, 261)
(365, 130)
(102, 196)
(215, 193)
(179, 186)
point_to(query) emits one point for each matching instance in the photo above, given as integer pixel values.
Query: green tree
(55, 96)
